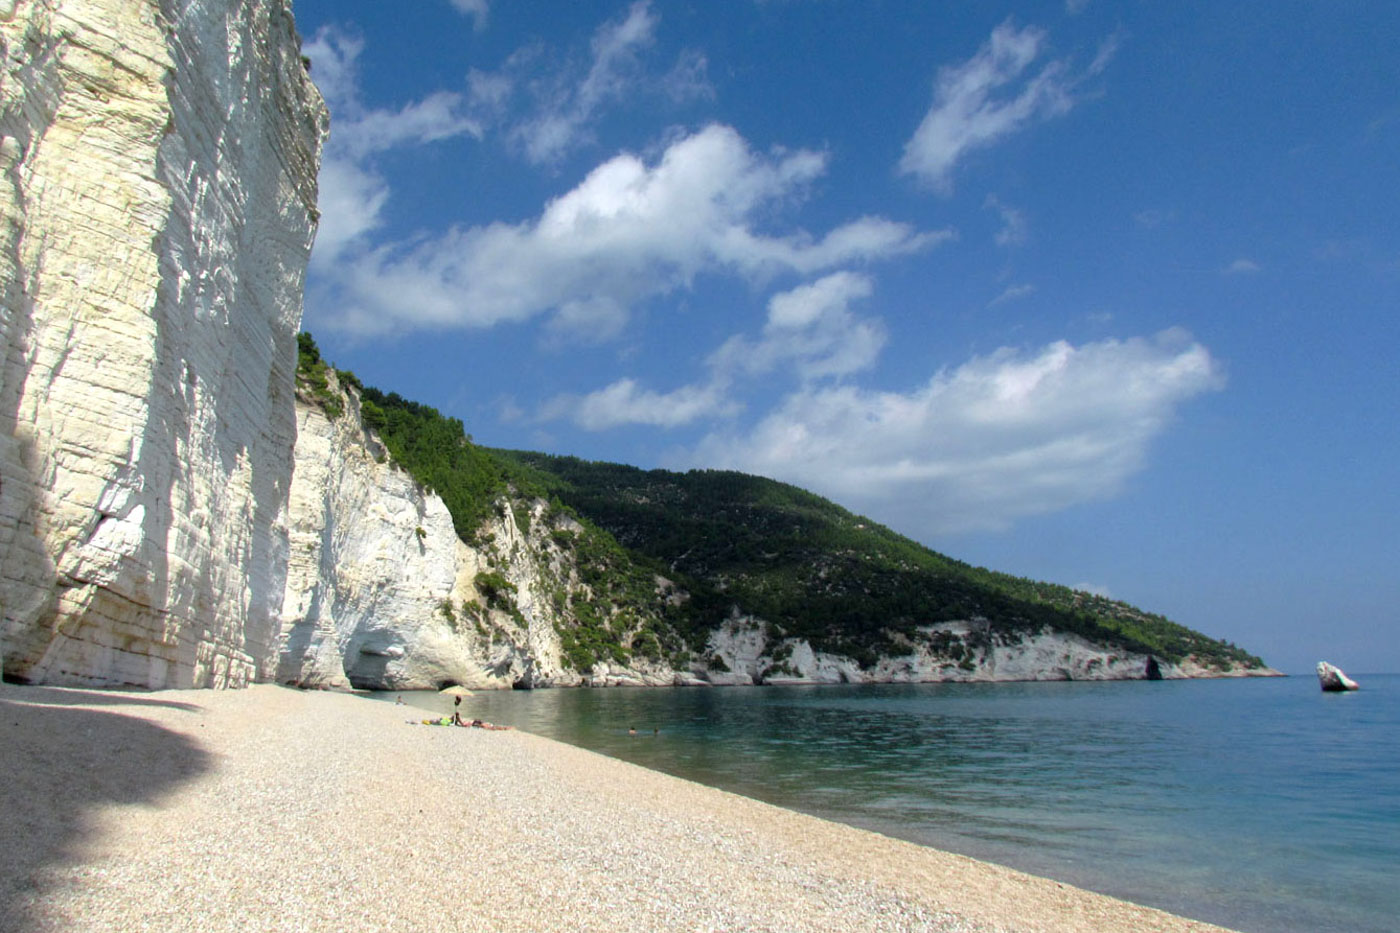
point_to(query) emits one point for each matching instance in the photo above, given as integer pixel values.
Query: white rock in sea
(1333, 680)
(158, 165)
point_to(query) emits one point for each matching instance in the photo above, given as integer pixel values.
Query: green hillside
(731, 541)
(816, 571)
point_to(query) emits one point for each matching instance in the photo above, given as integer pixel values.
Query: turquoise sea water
(1263, 805)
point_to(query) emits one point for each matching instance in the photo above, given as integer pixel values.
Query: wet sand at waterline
(270, 808)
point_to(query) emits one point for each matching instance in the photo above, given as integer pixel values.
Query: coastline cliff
(566, 573)
(158, 168)
(191, 497)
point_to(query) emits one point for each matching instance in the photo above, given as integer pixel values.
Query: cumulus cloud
(811, 330)
(351, 201)
(991, 95)
(1002, 436)
(810, 333)
(358, 131)
(629, 231)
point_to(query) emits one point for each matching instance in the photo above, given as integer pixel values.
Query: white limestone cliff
(967, 651)
(158, 167)
(381, 592)
(377, 578)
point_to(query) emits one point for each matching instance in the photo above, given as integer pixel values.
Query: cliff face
(157, 187)
(948, 652)
(381, 593)
(175, 512)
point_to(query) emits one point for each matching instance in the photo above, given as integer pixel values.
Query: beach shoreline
(283, 809)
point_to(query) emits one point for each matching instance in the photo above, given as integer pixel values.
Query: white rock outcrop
(1332, 680)
(968, 651)
(380, 591)
(158, 167)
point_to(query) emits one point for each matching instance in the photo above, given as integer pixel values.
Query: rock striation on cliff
(158, 165)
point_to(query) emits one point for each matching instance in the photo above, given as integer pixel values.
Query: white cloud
(1011, 293)
(1013, 222)
(351, 201)
(988, 97)
(1242, 267)
(357, 131)
(624, 402)
(1000, 437)
(333, 54)
(1093, 589)
(811, 330)
(689, 78)
(441, 115)
(565, 96)
(476, 9)
(627, 232)
(352, 194)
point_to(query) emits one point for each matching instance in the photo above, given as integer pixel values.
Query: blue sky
(1099, 293)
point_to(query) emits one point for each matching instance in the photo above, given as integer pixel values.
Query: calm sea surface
(1263, 805)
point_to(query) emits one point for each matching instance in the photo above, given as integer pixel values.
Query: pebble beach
(271, 808)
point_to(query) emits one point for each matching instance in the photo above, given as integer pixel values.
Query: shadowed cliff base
(59, 765)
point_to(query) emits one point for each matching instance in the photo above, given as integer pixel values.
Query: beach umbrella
(456, 690)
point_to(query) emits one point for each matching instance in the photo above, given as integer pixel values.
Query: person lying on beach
(482, 724)
(457, 720)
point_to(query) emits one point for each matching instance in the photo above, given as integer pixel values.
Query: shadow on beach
(68, 696)
(57, 764)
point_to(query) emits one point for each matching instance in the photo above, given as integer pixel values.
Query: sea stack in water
(1333, 680)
